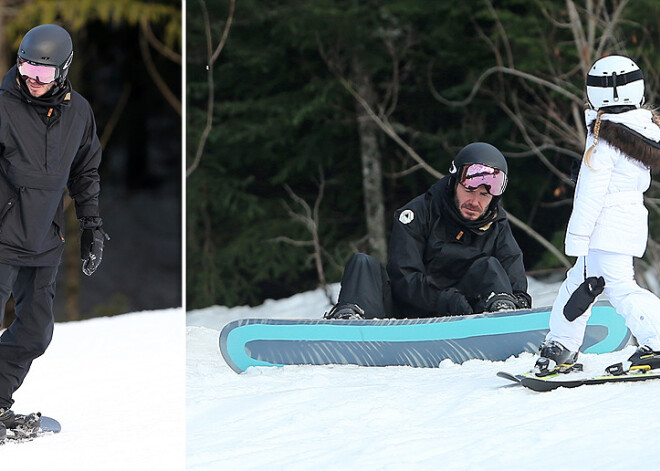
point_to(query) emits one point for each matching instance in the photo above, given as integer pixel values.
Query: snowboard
(48, 426)
(424, 342)
(574, 380)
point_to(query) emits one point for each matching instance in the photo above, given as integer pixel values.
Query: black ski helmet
(479, 153)
(48, 45)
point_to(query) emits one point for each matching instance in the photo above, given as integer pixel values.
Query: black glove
(455, 303)
(523, 300)
(583, 296)
(91, 243)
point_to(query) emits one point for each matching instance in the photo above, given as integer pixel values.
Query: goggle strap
(614, 80)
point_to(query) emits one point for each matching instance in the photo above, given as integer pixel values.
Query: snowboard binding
(555, 358)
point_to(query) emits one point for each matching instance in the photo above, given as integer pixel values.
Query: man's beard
(470, 207)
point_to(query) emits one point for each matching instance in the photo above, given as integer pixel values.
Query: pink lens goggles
(474, 175)
(41, 73)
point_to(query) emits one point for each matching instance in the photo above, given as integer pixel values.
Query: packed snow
(455, 417)
(116, 386)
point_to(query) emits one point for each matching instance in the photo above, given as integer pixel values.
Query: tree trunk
(372, 173)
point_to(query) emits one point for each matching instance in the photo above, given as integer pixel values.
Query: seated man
(451, 251)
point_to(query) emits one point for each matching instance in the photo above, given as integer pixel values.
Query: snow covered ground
(456, 417)
(117, 386)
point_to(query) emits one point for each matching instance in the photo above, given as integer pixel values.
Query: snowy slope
(116, 385)
(456, 417)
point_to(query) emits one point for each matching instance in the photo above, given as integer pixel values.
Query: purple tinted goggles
(474, 175)
(43, 74)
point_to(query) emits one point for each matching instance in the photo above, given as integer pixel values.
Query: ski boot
(555, 358)
(345, 311)
(643, 360)
(3, 432)
(22, 426)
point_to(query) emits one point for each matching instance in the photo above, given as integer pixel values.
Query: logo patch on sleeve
(406, 217)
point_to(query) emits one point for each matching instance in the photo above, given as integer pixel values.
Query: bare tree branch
(521, 127)
(157, 44)
(504, 70)
(212, 56)
(309, 218)
(542, 240)
(294, 242)
(225, 32)
(116, 115)
(579, 36)
(502, 31)
(608, 33)
(162, 86)
(388, 129)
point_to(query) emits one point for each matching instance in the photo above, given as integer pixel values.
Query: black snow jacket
(431, 249)
(47, 145)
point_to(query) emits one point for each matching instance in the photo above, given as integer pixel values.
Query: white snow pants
(639, 307)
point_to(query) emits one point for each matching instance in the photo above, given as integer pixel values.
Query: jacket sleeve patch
(406, 216)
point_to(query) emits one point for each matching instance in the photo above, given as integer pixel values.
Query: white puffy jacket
(608, 207)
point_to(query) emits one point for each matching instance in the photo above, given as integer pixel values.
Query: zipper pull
(50, 113)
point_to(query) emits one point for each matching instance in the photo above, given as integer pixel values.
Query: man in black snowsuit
(451, 250)
(48, 143)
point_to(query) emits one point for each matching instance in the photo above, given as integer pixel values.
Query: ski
(554, 381)
(511, 377)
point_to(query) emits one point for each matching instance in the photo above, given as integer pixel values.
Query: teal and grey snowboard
(406, 342)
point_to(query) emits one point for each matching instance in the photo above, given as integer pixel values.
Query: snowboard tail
(406, 342)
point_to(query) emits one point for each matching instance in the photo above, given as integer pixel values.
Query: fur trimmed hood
(633, 143)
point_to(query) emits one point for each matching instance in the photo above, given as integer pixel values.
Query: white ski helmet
(615, 81)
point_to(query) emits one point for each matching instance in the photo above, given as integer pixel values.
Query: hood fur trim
(633, 144)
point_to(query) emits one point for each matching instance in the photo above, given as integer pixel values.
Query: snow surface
(116, 385)
(456, 417)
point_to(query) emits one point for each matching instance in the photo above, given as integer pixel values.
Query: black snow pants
(365, 282)
(31, 332)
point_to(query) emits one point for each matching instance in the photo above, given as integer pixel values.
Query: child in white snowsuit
(609, 223)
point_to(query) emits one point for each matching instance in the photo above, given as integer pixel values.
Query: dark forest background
(310, 122)
(127, 63)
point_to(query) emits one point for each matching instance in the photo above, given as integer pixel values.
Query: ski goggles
(43, 74)
(474, 175)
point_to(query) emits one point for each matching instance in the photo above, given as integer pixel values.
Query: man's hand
(456, 303)
(524, 300)
(92, 238)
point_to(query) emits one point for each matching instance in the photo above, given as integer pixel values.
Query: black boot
(23, 426)
(346, 311)
(644, 359)
(554, 358)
